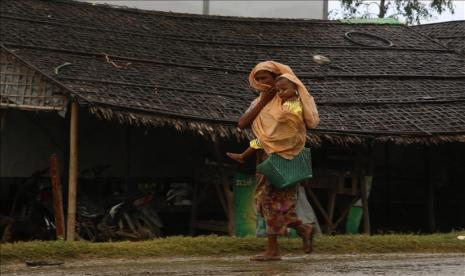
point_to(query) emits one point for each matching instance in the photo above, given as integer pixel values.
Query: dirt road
(316, 264)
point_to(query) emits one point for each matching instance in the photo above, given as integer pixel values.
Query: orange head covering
(310, 112)
(270, 66)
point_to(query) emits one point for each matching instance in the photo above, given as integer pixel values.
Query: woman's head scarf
(310, 112)
(271, 66)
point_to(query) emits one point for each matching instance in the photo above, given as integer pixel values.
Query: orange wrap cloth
(280, 131)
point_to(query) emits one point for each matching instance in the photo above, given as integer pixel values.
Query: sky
(251, 8)
(459, 14)
(270, 8)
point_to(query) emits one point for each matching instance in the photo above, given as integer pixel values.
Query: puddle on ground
(315, 264)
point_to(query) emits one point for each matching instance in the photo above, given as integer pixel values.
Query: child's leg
(248, 152)
(241, 157)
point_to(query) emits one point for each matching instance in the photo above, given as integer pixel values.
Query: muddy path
(316, 264)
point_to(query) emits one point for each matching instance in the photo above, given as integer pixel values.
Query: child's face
(285, 87)
(284, 84)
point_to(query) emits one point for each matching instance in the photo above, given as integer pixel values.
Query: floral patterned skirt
(276, 206)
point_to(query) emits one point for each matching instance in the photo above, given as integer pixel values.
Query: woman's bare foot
(306, 232)
(236, 157)
(266, 256)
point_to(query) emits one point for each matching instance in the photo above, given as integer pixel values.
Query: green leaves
(410, 11)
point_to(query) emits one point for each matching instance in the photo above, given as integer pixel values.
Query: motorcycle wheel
(144, 228)
(86, 231)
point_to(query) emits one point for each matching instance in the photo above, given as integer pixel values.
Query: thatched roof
(451, 34)
(190, 71)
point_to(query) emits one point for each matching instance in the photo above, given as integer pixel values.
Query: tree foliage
(412, 11)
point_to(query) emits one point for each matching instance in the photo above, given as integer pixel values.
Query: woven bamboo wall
(24, 88)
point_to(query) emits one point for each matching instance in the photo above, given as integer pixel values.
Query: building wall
(279, 9)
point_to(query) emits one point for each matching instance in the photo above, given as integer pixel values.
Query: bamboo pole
(73, 172)
(57, 197)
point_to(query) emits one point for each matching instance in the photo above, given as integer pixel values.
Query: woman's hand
(265, 97)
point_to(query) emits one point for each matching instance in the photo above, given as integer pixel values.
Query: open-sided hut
(390, 94)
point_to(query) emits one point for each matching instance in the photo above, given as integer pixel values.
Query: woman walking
(281, 133)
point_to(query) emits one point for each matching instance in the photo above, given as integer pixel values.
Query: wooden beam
(366, 177)
(32, 107)
(316, 201)
(229, 197)
(430, 191)
(57, 197)
(222, 197)
(127, 156)
(194, 207)
(331, 203)
(364, 196)
(73, 172)
(345, 212)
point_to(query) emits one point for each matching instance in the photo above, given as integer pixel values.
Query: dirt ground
(316, 264)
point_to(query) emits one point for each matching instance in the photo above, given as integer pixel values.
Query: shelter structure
(383, 84)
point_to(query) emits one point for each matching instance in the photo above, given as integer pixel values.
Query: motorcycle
(31, 214)
(121, 217)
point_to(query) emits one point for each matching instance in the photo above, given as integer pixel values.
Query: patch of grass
(222, 245)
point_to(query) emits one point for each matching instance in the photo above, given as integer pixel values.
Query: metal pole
(325, 9)
(206, 7)
(73, 172)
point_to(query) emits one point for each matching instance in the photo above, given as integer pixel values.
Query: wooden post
(331, 203)
(366, 179)
(431, 215)
(196, 186)
(430, 191)
(194, 209)
(229, 196)
(128, 159)
(57, 197)
(73, 172)
(387, 177)
(364, 195)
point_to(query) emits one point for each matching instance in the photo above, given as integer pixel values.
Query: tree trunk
(382, 9)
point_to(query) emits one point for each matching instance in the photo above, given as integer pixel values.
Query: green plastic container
(284, 173)
(353, 219)
(244, 207)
